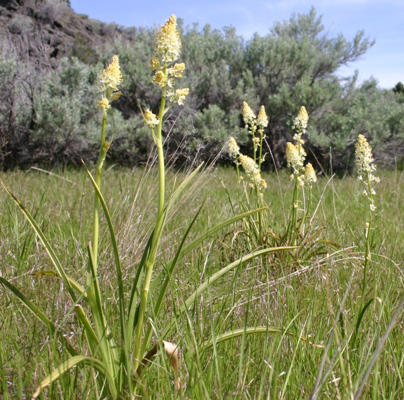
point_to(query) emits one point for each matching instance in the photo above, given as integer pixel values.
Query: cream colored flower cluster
(295, 153)
(167, 51)
(252, 171)
(310, 176)
(168, 42)
(232, 148)
(262, 118)
(150, 119)
(301, 121)
(249, 165)
(253, 122)
(366, 168)
(248, 115)
(256, 124)
(109, 80)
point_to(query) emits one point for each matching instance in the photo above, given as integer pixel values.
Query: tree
(294, 65)
(399, 88)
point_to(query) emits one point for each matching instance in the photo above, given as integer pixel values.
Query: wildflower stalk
(293, 220)
(301, 174)
(252, 166)
(100, 164)
(254, 150)
(262, 123)
(160, 153)
(139, 344)
(260, 159)
(368, 228)
(168, 47)
(117, 362)
(365, 167)
(367, 255)
(109, 80)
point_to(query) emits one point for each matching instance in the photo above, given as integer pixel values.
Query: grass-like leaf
(252, 331)
(49, 249)
(72, 362)
(39, 314)
(208, 282)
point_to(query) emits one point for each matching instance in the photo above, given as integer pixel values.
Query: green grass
(319, 300)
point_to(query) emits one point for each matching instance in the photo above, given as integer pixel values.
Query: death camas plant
(254, 185)
(366, 174)
(299, 231)
(118, 353)
(301, 174)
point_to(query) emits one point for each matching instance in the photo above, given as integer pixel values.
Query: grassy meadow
(309, 345)
(206, 283)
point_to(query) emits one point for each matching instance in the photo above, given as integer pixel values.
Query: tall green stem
(161, 156)
(155, 241)
(367, 237)
(254, 149)
(260, 160)
(101, 158)
(293, 219)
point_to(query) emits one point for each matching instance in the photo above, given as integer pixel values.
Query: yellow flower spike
(363, 157)
(232, 147)
(303, 115)
(252, 171)
(310, 176)
(293, 157)
(103, 104)
(262, 118)
(365, 168)
(248, 164)
(111, 77)
(168, 42)
(302, 119)
(248, 113)
(150, 119)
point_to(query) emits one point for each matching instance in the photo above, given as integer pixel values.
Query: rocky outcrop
(41, 32)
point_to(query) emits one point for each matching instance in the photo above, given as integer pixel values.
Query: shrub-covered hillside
(50, 58)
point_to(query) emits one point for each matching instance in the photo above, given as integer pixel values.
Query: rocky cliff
(41, 32)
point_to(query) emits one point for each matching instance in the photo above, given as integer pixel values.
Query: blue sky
(381, 20)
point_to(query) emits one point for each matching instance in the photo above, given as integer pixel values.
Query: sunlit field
(201, 282)
(317, 300)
